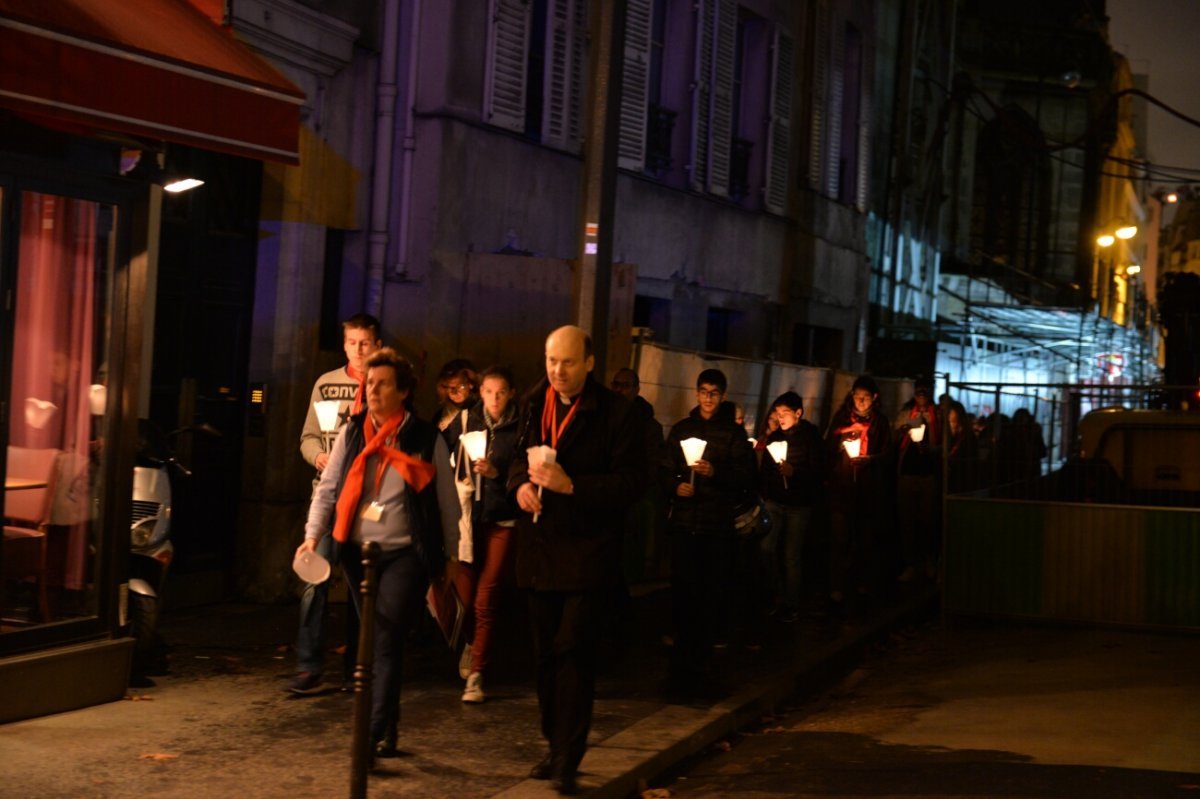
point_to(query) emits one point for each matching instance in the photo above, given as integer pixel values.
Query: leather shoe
(565, 784)
(541, 771)
(386, 748)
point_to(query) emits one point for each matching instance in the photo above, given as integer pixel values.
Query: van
(1155, 453)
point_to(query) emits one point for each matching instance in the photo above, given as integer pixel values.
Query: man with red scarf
(378, 487)
(568, 534)
(344, 385)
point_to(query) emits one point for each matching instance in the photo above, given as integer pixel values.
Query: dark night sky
(1159, 39)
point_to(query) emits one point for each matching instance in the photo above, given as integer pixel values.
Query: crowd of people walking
(541, 495)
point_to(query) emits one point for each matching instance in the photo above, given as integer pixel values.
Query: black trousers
(565, 627)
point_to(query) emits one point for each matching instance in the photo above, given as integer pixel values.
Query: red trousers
(480, 585)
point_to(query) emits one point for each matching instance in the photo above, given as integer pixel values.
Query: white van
(1153, 452)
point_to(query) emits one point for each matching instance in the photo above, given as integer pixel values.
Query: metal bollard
(360, 746)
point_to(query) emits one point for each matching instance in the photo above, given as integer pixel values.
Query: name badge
(373, 512)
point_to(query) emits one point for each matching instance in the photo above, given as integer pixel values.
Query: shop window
(57, 399)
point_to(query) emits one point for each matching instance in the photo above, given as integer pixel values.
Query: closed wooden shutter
(867, 82)
(635, 86)
(833, 118)
(820, 72)
(720, 132)
(566, 60)
(504, 84)
(779, 130)
(702, 92)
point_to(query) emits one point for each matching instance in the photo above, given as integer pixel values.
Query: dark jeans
(702, 572)
(311, 637)
(564, 625)
(402, 583)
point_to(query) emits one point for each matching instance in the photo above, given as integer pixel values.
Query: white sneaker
(474, 692)
(464, 662)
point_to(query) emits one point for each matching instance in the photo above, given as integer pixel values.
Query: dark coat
(576, 543)
(653, 433)
(806, 456)
(417, 438)
(495, 504)
(711, 510)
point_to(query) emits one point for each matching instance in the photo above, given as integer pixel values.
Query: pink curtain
(53, 344)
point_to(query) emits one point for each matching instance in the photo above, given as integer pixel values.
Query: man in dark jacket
(568, 541)
(704, 497)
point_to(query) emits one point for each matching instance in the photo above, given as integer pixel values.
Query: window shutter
(566, 57)
(820, 72)
(702, 92)
(864, 129)
(635, 86)
(720, 131)
(833, 127)
(779, 129)
(504, 83)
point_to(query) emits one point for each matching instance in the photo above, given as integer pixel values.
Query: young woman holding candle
(480, 579)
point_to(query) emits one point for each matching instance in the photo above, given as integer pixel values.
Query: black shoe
(565, 784)
(306, 684)
(541, 771)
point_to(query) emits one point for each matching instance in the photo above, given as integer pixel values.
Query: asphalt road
(980, 711)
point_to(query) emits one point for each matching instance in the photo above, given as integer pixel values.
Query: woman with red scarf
(378, 487)
(858, 444)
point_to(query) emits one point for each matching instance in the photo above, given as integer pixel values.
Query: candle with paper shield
(917, 434)
(853, 447)
(327, 420)
(545, 456)
(778, 450)
(693, 450)
(475, 443)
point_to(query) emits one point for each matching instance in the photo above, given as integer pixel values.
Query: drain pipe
(385, 128)
(409, 144)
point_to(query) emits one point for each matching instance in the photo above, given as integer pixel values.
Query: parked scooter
(150, 547)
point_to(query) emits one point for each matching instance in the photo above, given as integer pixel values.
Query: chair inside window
(29, 487)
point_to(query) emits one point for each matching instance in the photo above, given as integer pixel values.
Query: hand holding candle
(540, 456)
(693, 450)
(475, 444)
(779, 451)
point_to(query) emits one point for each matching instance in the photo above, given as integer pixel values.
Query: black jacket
(806, 458)
(417, 438)
(576, 543)
(711, 510)
(865, 481)
(495, 504)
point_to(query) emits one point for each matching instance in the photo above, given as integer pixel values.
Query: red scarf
(361, 377)
(551, 429)
(860, 427)
(416, 472)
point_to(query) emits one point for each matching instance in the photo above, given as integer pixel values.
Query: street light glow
(1127, 232)
(1105, 239)
(183, 184)
(1133, 269)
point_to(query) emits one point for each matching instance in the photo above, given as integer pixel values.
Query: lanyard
(550, 429)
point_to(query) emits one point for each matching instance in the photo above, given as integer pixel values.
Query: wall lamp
(177, 185)
(1133, 269)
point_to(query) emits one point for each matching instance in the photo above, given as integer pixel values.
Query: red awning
(153, 68)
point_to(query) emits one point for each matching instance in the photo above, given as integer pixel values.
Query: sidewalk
(221, 725)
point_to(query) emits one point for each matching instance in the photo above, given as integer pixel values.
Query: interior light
(182, 184)
(1133, 269)
(1105, 239)
(1172, 197)
(1126, 232)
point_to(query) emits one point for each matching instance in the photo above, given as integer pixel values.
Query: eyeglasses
(708, 394)
(456, 388)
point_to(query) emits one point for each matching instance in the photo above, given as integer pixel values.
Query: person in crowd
(642, 540)
(918, 484)
(962, 460)
(858, 445)
(481, 575)
(769, 426)
(568, 534)
(378, 486)
(456, 388)
(344, 385)
(1021, 447)
(789, 488)
(704, 498)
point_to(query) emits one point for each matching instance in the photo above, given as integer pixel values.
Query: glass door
(61, 296)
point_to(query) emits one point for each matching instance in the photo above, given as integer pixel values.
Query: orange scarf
(361, 377)
(416, 472)
(551, 430)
